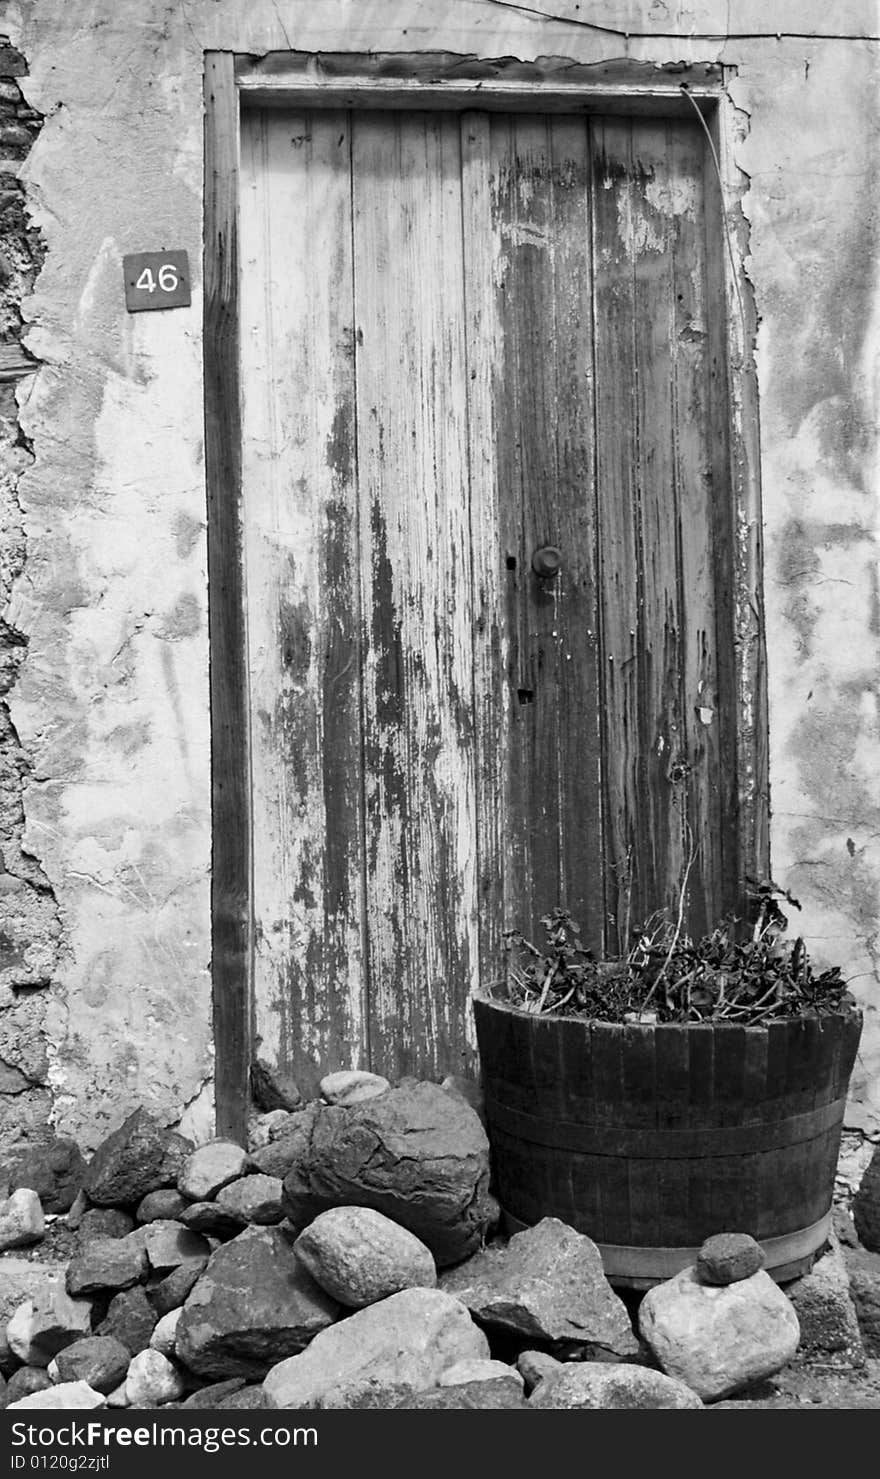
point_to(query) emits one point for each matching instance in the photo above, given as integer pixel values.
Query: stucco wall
(111, 705)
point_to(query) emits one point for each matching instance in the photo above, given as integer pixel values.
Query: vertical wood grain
(302, 591)
(658, 558)
(415, 562)
(542, 393)
(230, 774)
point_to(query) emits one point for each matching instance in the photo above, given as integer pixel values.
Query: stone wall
(29, 927)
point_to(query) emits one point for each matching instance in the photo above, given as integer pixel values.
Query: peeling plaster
(112, 703)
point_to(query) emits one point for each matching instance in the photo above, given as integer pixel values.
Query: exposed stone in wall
(29, 925)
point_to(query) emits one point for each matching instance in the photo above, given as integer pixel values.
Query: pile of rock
(350, 1258)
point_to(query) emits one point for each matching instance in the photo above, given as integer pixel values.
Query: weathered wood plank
(481, 262)
(707, 723)
(628, 900)
(415, 541)
(302, 582)
(230, 777)
(659, 569)
(543, 414)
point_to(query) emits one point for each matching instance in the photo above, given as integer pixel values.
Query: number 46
(167, 282)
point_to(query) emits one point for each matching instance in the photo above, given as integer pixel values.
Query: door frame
(414, 81)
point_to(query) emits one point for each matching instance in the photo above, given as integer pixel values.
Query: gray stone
(22, 1279)
(866, 1205)
(78, 1208)
(164, 1336)
(718, 1339)
(68, 1394)
(360, 1256)
(844, 1228)
(21, 1219)
(535, 1366)
(253, 1199)
(466, 1396)
(169, 1293)
(826, 1314)
(247, 1399)
(106, 1263)
(129, 1163)
(415, 1153)
(178, 1149)
(27, 1380)
(267, 1128)
(408, 1339)
(728, 1257)
(169, 1244)
(131, 1318)
(215, 1395)
(212, 1220)
(863, 1268)
(43, 1325)
(273, 1088)
(210, 1167)
(54, 1168)
(610, 1385)
(103, 1222)
(289, 1147)
(352, 1086)
(163, 1205)
(547, 1284)
(255, 1303)
(99, 1360)
(461, 1373)
(152, 1380)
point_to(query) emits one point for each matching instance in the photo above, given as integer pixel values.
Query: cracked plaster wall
(111, 704)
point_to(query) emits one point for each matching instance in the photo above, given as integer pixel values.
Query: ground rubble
(350, 1256)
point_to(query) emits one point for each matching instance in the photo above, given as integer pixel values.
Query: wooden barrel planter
(652, 1138)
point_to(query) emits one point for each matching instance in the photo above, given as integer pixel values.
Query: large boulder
(590, 1384)
(140, 1157)
(54, 1168)
(254, 1303)
(360, 1256)
(718, 1339)
(547, 1284)
(403, 1343)
(415, 1153)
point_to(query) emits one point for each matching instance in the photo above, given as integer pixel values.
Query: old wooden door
(467, 339)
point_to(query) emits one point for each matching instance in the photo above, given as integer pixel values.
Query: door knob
(547, 561)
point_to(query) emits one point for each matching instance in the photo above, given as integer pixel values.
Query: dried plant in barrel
(689, 1088)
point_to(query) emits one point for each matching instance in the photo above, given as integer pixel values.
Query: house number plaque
(156, 280)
